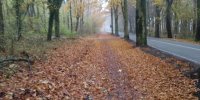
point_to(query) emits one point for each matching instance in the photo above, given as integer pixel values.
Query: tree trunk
(195, 17)
(57, 23)
(71, 21)
(1, 20)
(44, 14)
(38, 11)
(81, 24)
(31, 9)
(68, 21)
(130, 26)
(197, 37)
(168, 18)
(77, 23)
(176, 26)
(141, 30)
(157, 26)
(2, 43)
(116, 21)
(111, 26)
(126, 33)
(51, 18)
(18, 19)
(54, 7)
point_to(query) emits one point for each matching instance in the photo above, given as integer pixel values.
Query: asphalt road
(183, 50)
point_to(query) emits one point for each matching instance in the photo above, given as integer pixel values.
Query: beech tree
(157, 27)
(112, 3)
(169, 18)
(111, 26)
(115, 4)
(124, 5)
(1, 27)
(141, 30)
(131, 15)
(54, 7)
(197, 37)
(18, 12)
(31, 8)
(158, 7)
(70, 14)
(1, 19)
(116, 8)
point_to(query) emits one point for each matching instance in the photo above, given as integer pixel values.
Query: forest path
(118, 77)
(99, 67)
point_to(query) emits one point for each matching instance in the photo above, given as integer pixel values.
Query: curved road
(183, 50)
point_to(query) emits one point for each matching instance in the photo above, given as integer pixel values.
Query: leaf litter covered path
(100, 67)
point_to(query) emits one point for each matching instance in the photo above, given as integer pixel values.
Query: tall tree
(157, 26)
(195, 16)
(169, 18)
(131, 15)
(54, 7)
(197, 37)
(18, 4)
(57, 18)
(124, 5)
(70, 15)
(116, 20)
(77, 23)
(78, 12)
(111, 26)
(81, 15)
(115, 6)
(1, 27)
(141, 30)
(31, 8)
(1, 19)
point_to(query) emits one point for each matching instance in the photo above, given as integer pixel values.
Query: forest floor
(99, 67)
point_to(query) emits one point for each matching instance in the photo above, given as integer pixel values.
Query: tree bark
(116, 21)
(71, 21)
(126, 33)
(1, 19)
(111, 26)
(81, 23)
(130, 26)
(176, 26)
(195, 17)
(168, 18)
(68, 22)
(2, 43)
(141, 30)
(57, 23)
(157, 26)
(54, 7)
(18, 19)
(51, 17)
(77, 23)
(31, 9)
(197, 37)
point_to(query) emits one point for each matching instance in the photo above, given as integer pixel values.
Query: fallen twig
(16, 60)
